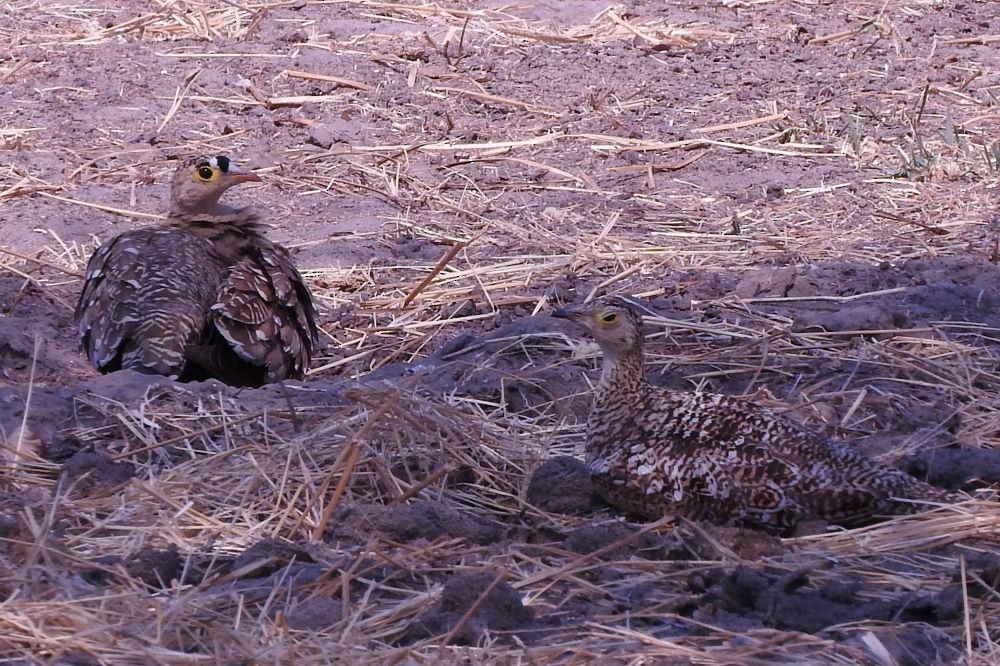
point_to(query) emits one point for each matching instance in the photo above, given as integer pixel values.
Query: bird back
(144, 298)
(721, 459)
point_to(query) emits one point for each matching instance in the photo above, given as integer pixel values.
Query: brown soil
(805, 193)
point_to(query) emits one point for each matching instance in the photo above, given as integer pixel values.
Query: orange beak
(238, 175)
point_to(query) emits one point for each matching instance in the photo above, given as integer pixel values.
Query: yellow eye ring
(609, 317)
(205, 173)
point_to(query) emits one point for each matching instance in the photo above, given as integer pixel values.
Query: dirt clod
(17, 347)
(314, 614)
(498, 608)
(561, 485)
(268, 556)
(786, 602)
(983, 574)
(88, 472)
(713, 542)
(620, 540)
(152, 566)
(432, 520)
(955, 468)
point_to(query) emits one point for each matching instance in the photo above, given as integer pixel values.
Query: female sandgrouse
(709, 457)
(204, 295)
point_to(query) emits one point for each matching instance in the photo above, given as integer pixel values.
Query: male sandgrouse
(204, 295)
(721, 459)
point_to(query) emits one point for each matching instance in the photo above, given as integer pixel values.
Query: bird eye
(205, 173)
(609, 317)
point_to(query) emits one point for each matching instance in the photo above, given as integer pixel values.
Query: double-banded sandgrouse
(653, 452)
(203, 295)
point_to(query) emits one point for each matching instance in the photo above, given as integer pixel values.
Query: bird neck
(621, 374)
(618, 396)
(222, 219)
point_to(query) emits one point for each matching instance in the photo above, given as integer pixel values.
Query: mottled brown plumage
(203, 295)
(716, 458)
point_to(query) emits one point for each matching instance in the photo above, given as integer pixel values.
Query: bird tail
(916, 496)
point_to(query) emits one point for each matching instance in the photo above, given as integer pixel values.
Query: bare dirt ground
(806, 192)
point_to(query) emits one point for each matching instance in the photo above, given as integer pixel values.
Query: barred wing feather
(144, 299)
(266, 314)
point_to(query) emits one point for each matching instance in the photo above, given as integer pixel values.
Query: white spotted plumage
(712, 457)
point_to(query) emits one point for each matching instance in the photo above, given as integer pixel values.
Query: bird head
(199, 182)
(612, 322)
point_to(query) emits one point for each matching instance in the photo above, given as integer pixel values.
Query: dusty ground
(806, 192)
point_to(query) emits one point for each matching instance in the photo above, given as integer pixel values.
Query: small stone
(320, 136)
(295, 36)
